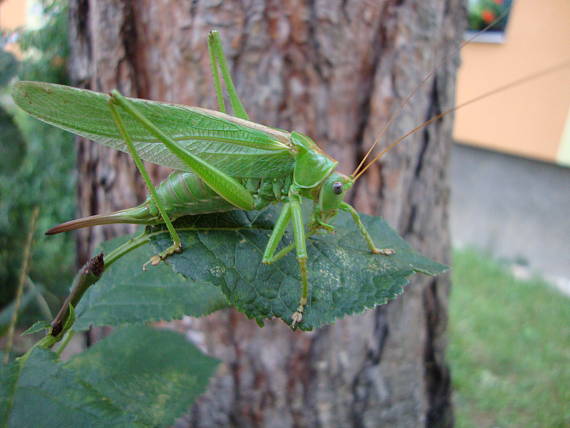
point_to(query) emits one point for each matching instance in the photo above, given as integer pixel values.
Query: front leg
(269, 255)
(384, 251)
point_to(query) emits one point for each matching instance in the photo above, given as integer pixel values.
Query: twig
(21, 282)
(87, 276)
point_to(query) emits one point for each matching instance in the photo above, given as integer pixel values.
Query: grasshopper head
(332, 192)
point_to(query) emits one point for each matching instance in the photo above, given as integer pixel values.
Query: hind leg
(176, 243)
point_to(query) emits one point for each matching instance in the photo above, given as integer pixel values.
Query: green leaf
(345, 278)
(137, 377)
(37, 327)
(39, 392)
(153, 375)
(126, 294)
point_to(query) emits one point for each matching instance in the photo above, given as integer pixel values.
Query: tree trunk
(334, 70)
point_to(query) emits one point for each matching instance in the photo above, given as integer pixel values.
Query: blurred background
(509, 343)
(36, 161)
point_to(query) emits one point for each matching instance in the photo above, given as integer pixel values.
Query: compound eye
(337, 187)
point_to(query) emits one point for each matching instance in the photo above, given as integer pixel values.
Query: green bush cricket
(221, 162)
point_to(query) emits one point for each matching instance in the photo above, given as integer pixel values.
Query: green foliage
(13, 148)
(137, 377)
(43, 174)
(509, 342)
(8, 67)
(226, 250)
(143, 377)
(46, 49)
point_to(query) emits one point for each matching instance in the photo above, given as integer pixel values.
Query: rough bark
(334, 70)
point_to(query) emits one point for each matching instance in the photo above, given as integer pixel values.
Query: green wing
(239, 148)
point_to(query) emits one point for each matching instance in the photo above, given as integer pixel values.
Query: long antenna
(407, 100)
(466, 103)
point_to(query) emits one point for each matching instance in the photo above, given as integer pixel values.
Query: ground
(509, 343)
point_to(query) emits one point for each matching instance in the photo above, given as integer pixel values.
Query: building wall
(12, 14)
(514, 209)
(529, 120)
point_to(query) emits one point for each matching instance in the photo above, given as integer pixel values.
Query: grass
(509, 348)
